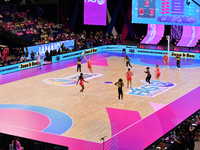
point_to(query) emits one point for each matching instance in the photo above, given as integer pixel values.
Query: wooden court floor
(92, 106)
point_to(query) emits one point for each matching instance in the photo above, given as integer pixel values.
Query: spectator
(17, 144)
(91, 34)
(32, 55)
(112, 39)
(101, 34)
(17, 52)
(63, 47)
(180, 142)
(22, 58)
(26, 52)
(51, 53)
(21, 52)
(9, 62)
(191, 136)
(5, 54)
(48, 57)
(59, 51)
(33, 40)
(13, 60)
(97, 35)
(95, 41)
(107, 37)
(18, 59)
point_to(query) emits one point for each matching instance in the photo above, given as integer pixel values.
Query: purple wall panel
(176, 32)
(190, 36)
(154, 34)
(95, 12)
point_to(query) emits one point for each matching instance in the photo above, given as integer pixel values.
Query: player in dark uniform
(148, 78)
(127, 61)
(178, 62)
(79, 64)
(120, 85)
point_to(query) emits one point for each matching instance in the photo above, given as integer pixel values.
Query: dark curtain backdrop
(48, 11)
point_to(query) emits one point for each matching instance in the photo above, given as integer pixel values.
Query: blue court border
(59, 121)
(138, 61)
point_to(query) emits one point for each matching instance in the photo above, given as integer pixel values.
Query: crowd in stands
(184, 137)
(41, 31)
(18, 57)
(93, 40)
(38, 31)
(35, 30)
(81, 42)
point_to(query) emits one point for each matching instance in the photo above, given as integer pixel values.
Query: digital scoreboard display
(166, 12)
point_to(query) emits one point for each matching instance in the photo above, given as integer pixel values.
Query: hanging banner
(95, 12)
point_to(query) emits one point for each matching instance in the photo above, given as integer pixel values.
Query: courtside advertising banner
(95, 12)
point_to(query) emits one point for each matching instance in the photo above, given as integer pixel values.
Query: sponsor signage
(151, 52)
(89, 51)
(28, 65)
(186, 55)
(129, 49)
(111, 47)
(132, 51)
(8, 68)
(19, 67)
(153, 90)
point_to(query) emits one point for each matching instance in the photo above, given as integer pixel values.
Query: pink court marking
(99, 60)
(157, 106)
(73, 67)
(24, 119)
(123, 119)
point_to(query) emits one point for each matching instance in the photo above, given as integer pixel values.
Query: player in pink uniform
(157, 71)
(129, 75)
(5, 54)
(81, 79)
(17, 144)
(165, 59)
(89, 65)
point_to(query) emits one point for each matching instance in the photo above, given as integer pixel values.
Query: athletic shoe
(83, 94)
(164, 67)
(167, 66)
(127, 87)
(122, 101)
(179, 69)
(78, 93)
(119, 101)
(40, 68)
